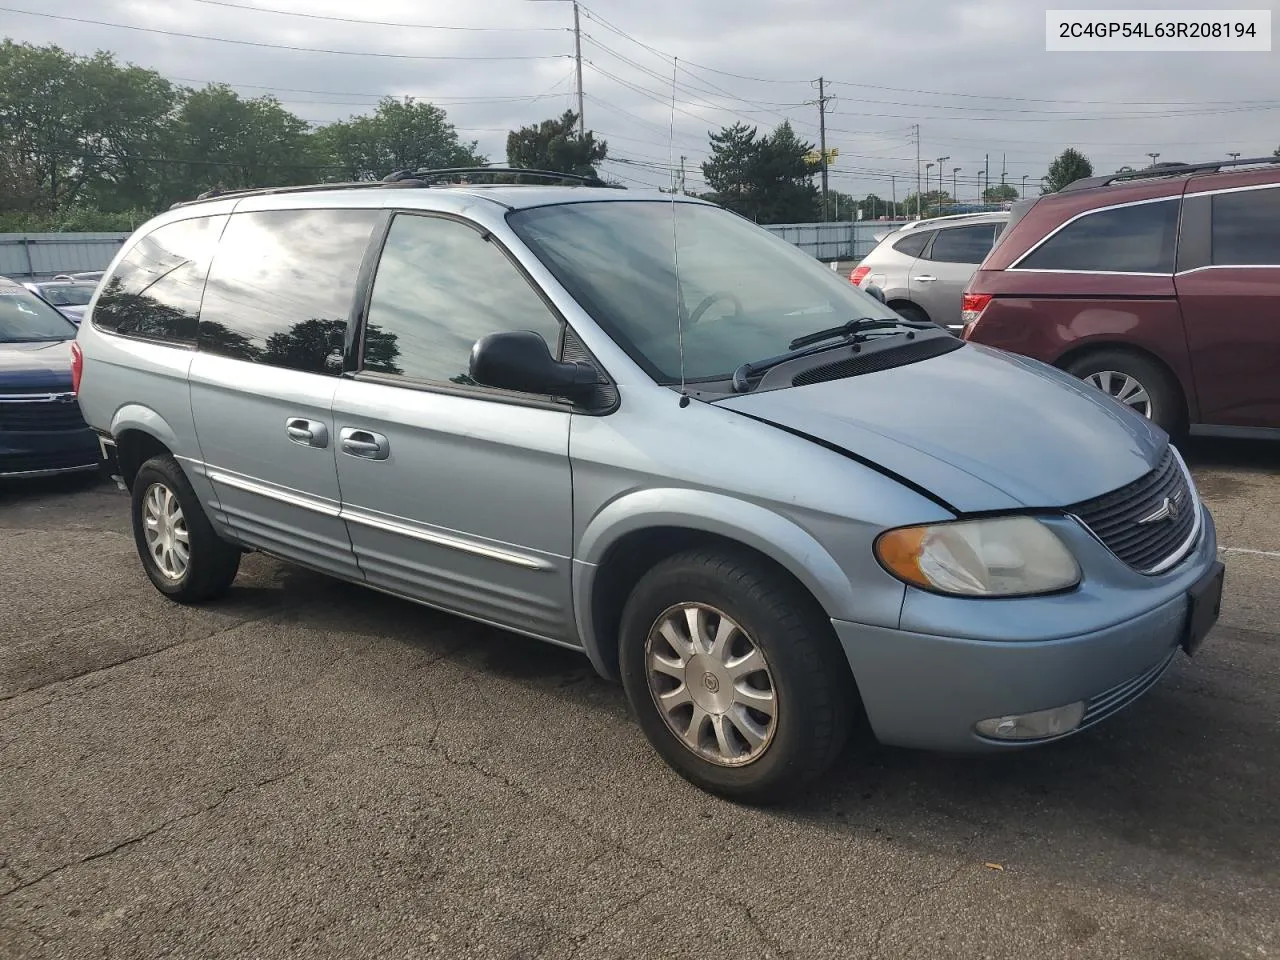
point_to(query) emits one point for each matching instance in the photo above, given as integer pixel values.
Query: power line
(281, 46)
(376, 23)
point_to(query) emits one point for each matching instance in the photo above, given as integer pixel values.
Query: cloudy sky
(973, 74)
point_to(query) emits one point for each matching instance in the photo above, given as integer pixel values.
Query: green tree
(399, 135)
(930, 204)
(79, 125)
(1069, 166)
(221, 140)
(766, 179)
(555, 145)
(1000, 193)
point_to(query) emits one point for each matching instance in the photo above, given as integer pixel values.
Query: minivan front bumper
(930, 692)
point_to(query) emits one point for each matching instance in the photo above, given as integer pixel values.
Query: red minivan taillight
(971, 307)
(77, 367)
(859, 274)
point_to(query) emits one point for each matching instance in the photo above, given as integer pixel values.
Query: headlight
(1000, 557)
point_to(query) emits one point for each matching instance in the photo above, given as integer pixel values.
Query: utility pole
(916, 128)
(1003, 169)
(577, 56)
(682, 160)
(822, 140)
(893, 187)
(986, 176)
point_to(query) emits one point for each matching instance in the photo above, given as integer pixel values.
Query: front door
(453, 494)
(272, 323)
(1231, 308)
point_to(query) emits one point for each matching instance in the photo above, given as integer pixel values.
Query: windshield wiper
(816, 342)
(860, 325)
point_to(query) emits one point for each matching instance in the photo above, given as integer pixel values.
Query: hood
(35, 366)
(978, 428)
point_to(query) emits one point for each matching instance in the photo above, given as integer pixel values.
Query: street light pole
(1024, 187)
(1154, 157)
(955, 194)
(927, 167)
(1234, 156)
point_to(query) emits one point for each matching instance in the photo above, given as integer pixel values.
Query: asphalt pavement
(310, 769)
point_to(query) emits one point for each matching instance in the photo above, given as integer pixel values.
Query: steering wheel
(701, 308)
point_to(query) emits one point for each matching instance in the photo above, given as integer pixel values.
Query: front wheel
(735, 675)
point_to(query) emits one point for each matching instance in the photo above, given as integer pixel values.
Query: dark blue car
(41, 430)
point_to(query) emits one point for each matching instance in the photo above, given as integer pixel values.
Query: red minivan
(1161, 287)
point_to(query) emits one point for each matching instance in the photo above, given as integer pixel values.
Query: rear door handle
(925, 279)
(308, 433)
(365, 444)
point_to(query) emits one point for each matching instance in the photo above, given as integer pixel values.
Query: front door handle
(365, 444)
(308, 433)
(925, 279)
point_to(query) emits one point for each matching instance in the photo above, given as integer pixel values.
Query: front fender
(755, 526)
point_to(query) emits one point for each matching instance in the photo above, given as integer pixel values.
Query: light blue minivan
(636, 425)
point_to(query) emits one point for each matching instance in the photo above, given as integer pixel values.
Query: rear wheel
(735, 675)
(911, 312)
(183, 557)
(1137, 382)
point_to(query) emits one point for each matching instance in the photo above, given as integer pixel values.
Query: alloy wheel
(165, 529)
(711, 684)
(1124, 388)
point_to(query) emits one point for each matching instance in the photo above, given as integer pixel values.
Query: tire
(813, 695)
(909, 311)
(1163, 403)
(211, 563)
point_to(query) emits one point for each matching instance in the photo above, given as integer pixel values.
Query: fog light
(1033, 726)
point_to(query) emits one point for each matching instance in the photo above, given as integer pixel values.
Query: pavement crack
(207, 808)
(890, 920)
(190, 641)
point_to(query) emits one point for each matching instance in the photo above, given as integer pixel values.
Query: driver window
(440, 287)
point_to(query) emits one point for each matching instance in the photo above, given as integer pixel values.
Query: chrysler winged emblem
(1168, 510)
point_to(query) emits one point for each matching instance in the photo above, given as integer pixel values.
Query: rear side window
(963, 244)
(1245, 228)
(1133, 239)
(155, 291)
(282, 285)
(913, 245)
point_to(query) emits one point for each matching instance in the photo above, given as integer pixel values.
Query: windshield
(25, 318)
(68, 294)
(743, 293)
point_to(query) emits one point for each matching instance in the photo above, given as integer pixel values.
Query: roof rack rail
(430, 175)
(262, 191)
(1165, 170)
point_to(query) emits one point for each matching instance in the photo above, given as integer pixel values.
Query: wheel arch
(140, 434)
(636, 532)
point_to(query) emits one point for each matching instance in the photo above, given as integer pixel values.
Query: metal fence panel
(39, 256)
(845, 240)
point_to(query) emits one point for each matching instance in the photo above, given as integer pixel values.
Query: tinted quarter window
(155, 290)
(282, 285)
(963, 244)
(440, 287)
(913, 245)
(1246, 228)
(1133, 239)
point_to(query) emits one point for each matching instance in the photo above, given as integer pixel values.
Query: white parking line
(1273, 554)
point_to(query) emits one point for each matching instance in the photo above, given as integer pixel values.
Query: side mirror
(520, 360)
(874, 291)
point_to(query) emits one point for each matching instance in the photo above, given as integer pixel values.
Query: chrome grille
(1149, 522)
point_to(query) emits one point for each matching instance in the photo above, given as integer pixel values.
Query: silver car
(639, 426)
(924, 267)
